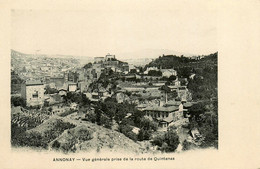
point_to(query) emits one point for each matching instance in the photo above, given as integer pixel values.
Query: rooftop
(33, 82)
(160, 108)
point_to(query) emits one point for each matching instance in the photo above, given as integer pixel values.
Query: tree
(172, 78)
(154, 73)
(167, 142)
(87, 66)
(91, 117)
(46, 103)
(106, 121)
(166, 90)
(196, 110)
(172, 140)
(18, 101)
(209, 130)
(49, 90)
(186, 145)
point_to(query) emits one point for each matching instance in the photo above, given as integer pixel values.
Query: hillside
(204, 83)
(69, 134)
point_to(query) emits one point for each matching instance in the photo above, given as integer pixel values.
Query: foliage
(154, 73)
(32, 139)
(127, 131)
(49, 90)
(91, 117)
(206, 121)
(172, 78)
(186, 145)
(84, 135)
(18, 101)
(106, 121)
(16, 82)
(36, 139)
(196, 110)
(204, 84)
(17, 130)
(56, 145)
(78, 98)
(69, 146)
(167, 142)
(147, 127)
(165, 88)
(87, 66)
(144, 134)
(209, 130)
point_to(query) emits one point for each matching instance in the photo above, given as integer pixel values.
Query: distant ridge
(150, 53)
(83, 59)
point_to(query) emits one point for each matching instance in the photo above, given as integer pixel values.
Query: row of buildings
(166, 113)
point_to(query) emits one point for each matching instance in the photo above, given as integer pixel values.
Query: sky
(118, 28)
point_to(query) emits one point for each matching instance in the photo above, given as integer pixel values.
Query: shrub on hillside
(36, 139)
(168, 142)
(84, 135)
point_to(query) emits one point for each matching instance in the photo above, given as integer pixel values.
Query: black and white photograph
(129, 84)
(95, 83)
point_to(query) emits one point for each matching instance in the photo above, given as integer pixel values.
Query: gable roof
(163, 109)
(33, 82)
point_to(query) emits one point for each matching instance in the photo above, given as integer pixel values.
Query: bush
(18, 101)
(32, 139)
(36, 139)
(186, 145)
(127, 131)
(69, 146)
(84, 135)
(106, 122)
(91, 117)
(144, 134)
(167, 142)
(56, 145)
(49, 90)
(154, 73)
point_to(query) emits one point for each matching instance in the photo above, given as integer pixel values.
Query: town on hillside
(168, 105)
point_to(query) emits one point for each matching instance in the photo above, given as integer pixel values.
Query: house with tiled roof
(163, 115)
(168, 72)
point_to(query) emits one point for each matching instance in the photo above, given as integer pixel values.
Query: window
(35, 94)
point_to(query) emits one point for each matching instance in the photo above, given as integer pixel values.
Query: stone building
(99, 59)
(33, 93)
(110, 57)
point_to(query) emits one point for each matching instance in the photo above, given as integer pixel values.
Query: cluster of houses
(166, 113)
(41, 67)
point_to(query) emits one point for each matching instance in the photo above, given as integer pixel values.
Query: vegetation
(204, 117)
(108, 77)
(154, 73)
(106, 112)
(49, 90)
(78, 98)
(167, 142)
(16, 82)
(204, 85)
(35, 139)
(18, 101)
(66, 113)
(87, 66)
